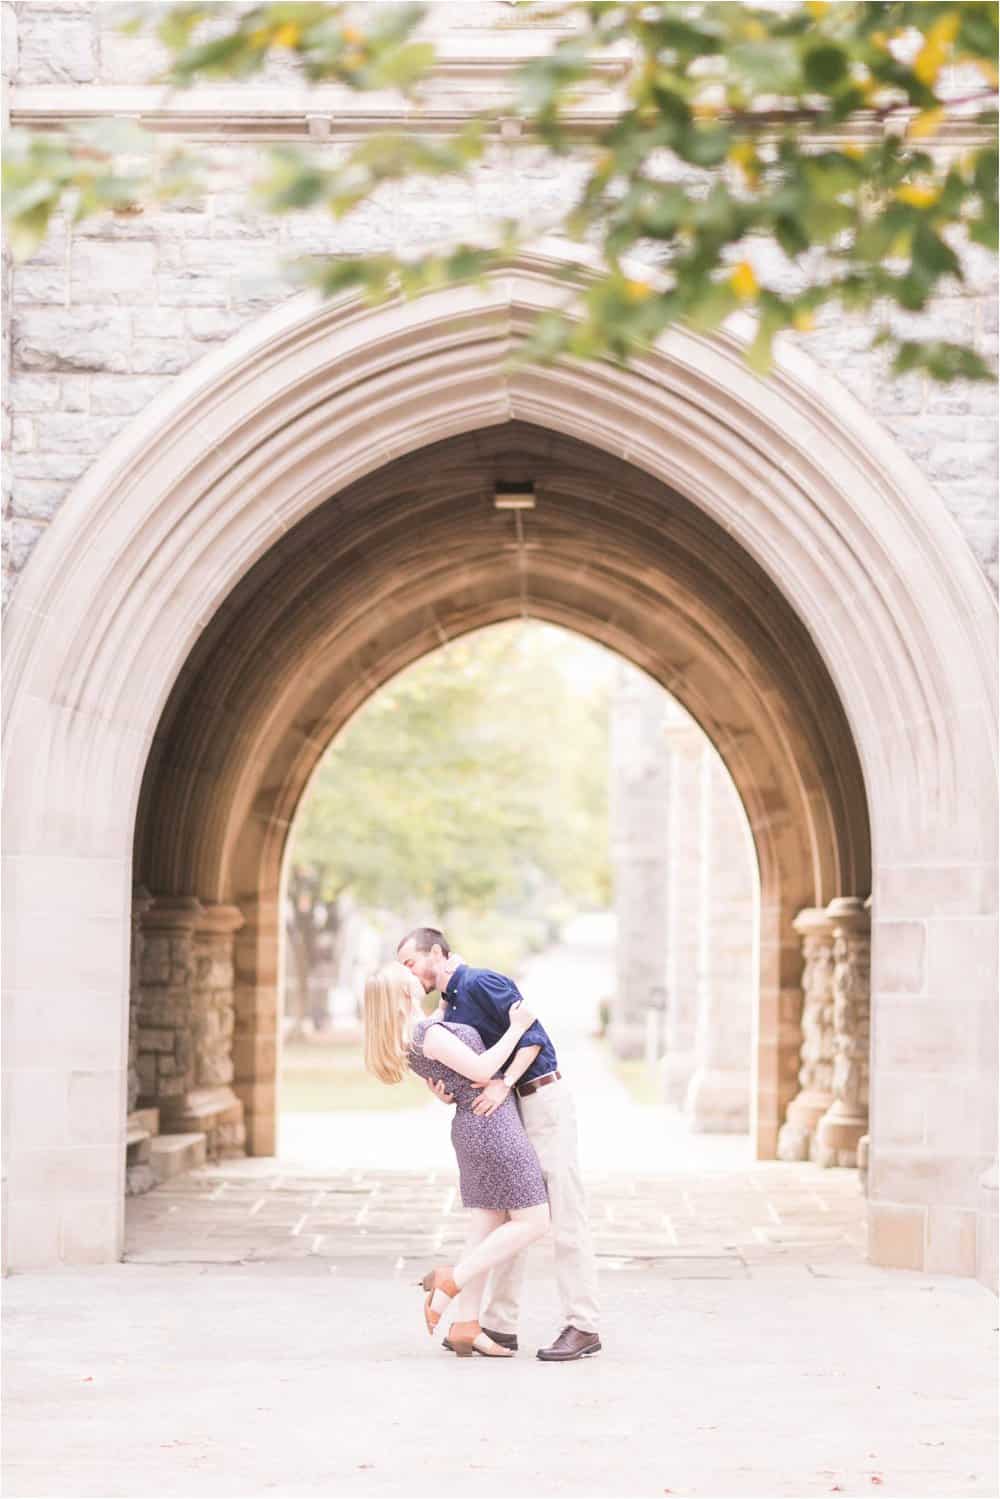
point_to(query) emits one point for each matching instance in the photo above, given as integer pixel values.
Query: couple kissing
(514, 1134)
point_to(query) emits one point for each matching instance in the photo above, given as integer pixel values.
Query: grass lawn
(321, 1076)
(640, 1081)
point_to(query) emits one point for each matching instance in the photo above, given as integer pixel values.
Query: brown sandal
(439, 1280)
(467, 1338)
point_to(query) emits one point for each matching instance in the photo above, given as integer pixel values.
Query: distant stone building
(231, 513)
(686, 906)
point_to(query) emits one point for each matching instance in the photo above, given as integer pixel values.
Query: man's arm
(498, 1088)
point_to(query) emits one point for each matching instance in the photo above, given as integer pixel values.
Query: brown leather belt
(524, 1089)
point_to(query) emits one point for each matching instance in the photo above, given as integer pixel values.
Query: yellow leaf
(754, 31)
(287, 35)
(259, 38)
(944, 30)
(804, 321)
(817, 8)
(927, 64)
(742, 153)
(918, 196)
(743, 280)
(928, 122)
(853, 150)
(637, 291)
(934, 53)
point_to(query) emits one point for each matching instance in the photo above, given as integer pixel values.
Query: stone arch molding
(314, 397)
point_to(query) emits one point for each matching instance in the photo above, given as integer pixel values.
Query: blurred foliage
(738, 125)
(474, 787)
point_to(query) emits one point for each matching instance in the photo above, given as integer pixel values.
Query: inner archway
(561, 818)
(757, 547)
(418, 553)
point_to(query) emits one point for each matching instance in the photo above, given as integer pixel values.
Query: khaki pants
(549, 1117)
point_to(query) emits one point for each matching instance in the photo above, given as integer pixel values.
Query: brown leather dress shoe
(505, 1339)
(571, 1344)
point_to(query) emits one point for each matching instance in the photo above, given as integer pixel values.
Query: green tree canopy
(856, 139)
(475, 777)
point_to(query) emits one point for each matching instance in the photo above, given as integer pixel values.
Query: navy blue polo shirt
(481, 998)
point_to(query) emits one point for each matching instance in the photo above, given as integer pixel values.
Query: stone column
(211, 1105)
(214, 982)
(141, 900)
(255, 1040)
(718, 1095)
(166, 1002)
(839, 1131)
(684, 743)
(816, 1071)
(640, 789)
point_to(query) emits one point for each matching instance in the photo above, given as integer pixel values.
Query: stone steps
(170, 1155)
(214, 1112)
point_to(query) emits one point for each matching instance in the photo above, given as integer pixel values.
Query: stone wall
(109, 311)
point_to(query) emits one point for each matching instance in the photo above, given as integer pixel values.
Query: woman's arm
(441, 1045)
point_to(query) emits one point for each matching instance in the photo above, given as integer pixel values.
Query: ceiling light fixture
(520, 496)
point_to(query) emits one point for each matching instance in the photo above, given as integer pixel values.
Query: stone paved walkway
(263, 1339)
(276, 1379)
(721, 1223)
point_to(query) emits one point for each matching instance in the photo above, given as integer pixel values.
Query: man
(481, 998)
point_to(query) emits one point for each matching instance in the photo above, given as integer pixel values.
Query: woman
(501, 1179)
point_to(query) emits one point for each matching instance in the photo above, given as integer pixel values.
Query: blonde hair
(387, 1022)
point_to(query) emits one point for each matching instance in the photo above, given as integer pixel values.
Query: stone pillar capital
(172, 913)
(219, 921)
(813, 921)
(849, 913)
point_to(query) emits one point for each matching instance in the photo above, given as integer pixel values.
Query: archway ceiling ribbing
(415, 553)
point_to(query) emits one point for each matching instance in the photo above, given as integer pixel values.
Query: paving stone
(692, 1227)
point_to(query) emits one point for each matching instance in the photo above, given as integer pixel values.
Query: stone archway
(415, 553)
(757, 546)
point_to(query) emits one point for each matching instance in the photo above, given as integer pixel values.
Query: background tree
(472, 786)
(825, 132)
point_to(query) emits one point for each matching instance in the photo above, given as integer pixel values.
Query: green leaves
(738, 128)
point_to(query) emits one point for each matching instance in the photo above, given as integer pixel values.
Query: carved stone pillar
(639, 800)
(839, 1131)
(166, 1002)
(214, 1000)
(141, 899)
(816, 1071)
(684, 743)
(718, 1096)
(211, 1105)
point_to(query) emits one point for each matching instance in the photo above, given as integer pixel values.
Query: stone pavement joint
(737, 1223)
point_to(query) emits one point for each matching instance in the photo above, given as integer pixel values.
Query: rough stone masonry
(110, 310)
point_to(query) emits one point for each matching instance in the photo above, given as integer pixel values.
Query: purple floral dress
(497, 1164)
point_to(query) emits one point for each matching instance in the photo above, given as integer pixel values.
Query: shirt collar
(449, 994)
